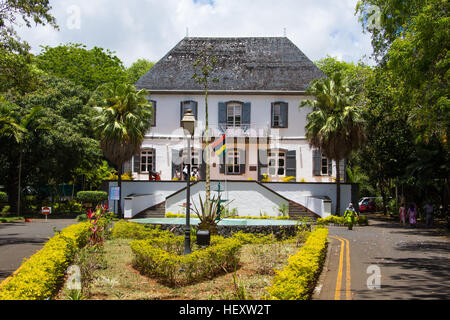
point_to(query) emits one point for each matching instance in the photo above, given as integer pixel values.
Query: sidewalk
(19, 240)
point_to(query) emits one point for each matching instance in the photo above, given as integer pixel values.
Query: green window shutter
(262, 163)
(246, 115)
(242, 162)
(137, 163)
(284, 115)
(222, 116)
(291, 164)
(153, 123)
(317, 162)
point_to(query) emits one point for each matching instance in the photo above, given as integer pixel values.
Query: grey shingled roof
(244, 64)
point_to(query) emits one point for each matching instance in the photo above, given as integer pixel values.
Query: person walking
(402, 213)
(412, 215)
(429, 211)
(350, 215)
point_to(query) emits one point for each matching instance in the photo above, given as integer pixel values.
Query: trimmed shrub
(297, 280)
(39, 276)
(361, 220)
(94, 197)
(3, 197)
(132, 230)
(152, 259)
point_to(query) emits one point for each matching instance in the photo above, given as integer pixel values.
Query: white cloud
(149, 28)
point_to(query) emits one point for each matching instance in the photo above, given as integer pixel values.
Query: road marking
(348, 292)
(337, 294)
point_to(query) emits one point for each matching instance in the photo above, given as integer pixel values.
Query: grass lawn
(119, 280)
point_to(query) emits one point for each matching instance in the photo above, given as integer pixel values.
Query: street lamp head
(188, 122)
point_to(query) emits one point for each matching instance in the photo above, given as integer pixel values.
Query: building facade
(253, 110)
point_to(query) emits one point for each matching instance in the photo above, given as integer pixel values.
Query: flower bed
(297, 280)
(162, 258)
(39, 276)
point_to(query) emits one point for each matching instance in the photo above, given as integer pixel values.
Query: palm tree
(20, 131)
(124, 117)
(335, 125)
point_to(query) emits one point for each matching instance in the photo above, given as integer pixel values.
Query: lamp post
(188, 124)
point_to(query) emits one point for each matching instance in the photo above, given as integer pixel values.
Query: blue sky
(149, 28)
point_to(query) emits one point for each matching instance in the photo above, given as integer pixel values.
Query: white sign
(46, 210)
(114, 193)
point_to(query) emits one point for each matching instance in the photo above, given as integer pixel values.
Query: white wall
(249, 198)
(301, 192)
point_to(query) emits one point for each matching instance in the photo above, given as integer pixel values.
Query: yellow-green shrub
(361, 220)
(132, 230)
(152, 259)
(250, 238)
(296, 281)
(39, 276)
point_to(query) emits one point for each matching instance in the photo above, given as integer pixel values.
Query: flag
(219, 146)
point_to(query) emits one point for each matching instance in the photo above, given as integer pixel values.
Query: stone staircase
(297, 211)
(158, 211)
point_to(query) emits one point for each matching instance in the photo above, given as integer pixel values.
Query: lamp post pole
(188, 124)
(187, 231)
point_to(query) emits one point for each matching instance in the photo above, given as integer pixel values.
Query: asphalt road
(387, 262)
(20, 240)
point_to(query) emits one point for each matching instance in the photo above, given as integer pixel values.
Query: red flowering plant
(97, 226)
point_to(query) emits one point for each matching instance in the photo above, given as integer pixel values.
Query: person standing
(350, 215)
(412, 215)
(429, 211)
(402, 213)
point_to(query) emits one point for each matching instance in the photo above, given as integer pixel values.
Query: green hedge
(132, 230)
(361, 220)
(39, 276)
(297, 280)
(93, 197)
(152, 259)
(3, 197)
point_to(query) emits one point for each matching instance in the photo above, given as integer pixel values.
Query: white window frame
(324, 166)
(276, 156)
(234, 110)
(235, 155)
(147, 165)
(276, 107)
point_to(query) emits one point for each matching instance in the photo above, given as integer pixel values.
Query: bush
(93, 197)
(39, 276)
(152, 259)
(132, 230)
(361, 220)
(3, 197)
(297, 280)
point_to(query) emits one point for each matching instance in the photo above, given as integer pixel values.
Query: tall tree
(138, 69)
(124, 117)
(204, 67)
(86, 67)
(335, 125)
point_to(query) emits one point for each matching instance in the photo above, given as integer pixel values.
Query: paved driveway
(409, 263)
(20, 240)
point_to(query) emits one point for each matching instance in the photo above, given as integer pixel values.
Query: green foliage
(131, 230)
(3, 197)
(138, 69)
(152, 259)
(361, 220)
(93, 197)
(40, 275)
(88, 68)
(297, 280)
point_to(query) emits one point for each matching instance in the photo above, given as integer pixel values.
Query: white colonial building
(255, 104)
